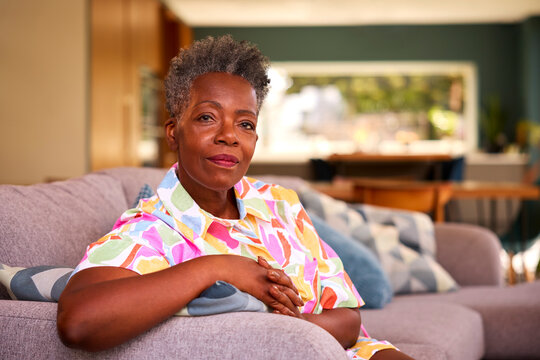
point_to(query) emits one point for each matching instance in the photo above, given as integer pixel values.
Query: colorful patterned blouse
(170, 228)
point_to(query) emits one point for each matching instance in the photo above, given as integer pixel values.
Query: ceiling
(198, 13)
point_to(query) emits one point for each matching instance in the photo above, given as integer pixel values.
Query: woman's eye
(247, 125)
(205, 118)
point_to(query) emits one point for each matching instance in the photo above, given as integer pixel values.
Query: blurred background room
(408, 90)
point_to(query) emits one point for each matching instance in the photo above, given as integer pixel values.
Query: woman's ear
(170, 133)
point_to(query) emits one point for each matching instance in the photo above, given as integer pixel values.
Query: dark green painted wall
(530, 64)
(496, 49)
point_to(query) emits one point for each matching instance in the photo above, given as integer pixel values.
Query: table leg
(509, 212)
(480, 212)
(452, 211)
(493, 215)
(524, 234)
(513, 241)
(523, 227)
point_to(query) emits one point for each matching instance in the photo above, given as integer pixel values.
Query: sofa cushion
(453, 329)
(55, 222)
(403, 241)
(422, 351)
(511, 316)
(361, 265)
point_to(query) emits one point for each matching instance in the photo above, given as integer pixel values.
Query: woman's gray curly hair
(222, 54)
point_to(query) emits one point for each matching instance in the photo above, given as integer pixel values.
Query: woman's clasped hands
(285, 294)
(272, 286)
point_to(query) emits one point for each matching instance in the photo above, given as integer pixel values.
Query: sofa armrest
(28, 328)
(470, 253)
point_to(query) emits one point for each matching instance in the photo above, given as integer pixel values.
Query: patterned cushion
(362, 266)
(415, 229)
(39, 283)
(403, 241)
(145, 192)
(221, 298)
(46, 283)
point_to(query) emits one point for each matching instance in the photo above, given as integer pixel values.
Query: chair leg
(529, 275)
(537, 270)
(511, 271)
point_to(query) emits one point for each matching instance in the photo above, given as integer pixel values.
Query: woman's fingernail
(273, 273)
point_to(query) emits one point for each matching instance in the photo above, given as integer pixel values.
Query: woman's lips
(224, 160)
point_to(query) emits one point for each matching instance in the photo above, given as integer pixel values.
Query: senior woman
(206, 214)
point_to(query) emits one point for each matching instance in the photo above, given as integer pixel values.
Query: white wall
(43, 90)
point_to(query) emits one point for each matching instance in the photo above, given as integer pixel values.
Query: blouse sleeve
(135, 243)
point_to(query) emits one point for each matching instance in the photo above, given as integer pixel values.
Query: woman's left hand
(342, 323)
(284, 291)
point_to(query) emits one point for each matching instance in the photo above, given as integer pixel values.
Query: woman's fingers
(276, 275)
(294, 297)
(286, 286)
(279, 277)
(262, 261)
(284, 300)
(281, 294)
(284, 304)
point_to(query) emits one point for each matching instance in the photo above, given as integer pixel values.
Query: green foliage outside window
(436, 97)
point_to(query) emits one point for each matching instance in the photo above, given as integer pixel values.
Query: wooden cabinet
(131, 45)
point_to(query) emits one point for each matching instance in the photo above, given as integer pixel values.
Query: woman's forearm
(105, 306)
(342, 323)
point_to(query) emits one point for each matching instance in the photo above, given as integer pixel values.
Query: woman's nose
(227, 133)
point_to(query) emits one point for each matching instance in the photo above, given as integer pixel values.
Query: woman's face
(215, 137)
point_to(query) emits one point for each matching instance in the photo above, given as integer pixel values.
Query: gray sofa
(51, 224)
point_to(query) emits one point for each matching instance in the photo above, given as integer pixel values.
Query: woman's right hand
(272, 286)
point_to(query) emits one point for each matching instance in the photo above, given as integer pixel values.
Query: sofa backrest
(51, 224)
(133, 179)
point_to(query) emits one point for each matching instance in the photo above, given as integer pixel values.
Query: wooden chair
(427, 197)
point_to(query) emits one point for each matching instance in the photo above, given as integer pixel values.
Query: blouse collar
(189, 217)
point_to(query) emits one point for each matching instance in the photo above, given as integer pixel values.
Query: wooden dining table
(494, 189)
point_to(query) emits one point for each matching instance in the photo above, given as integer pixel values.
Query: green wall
(530, 64)
(496, 49)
